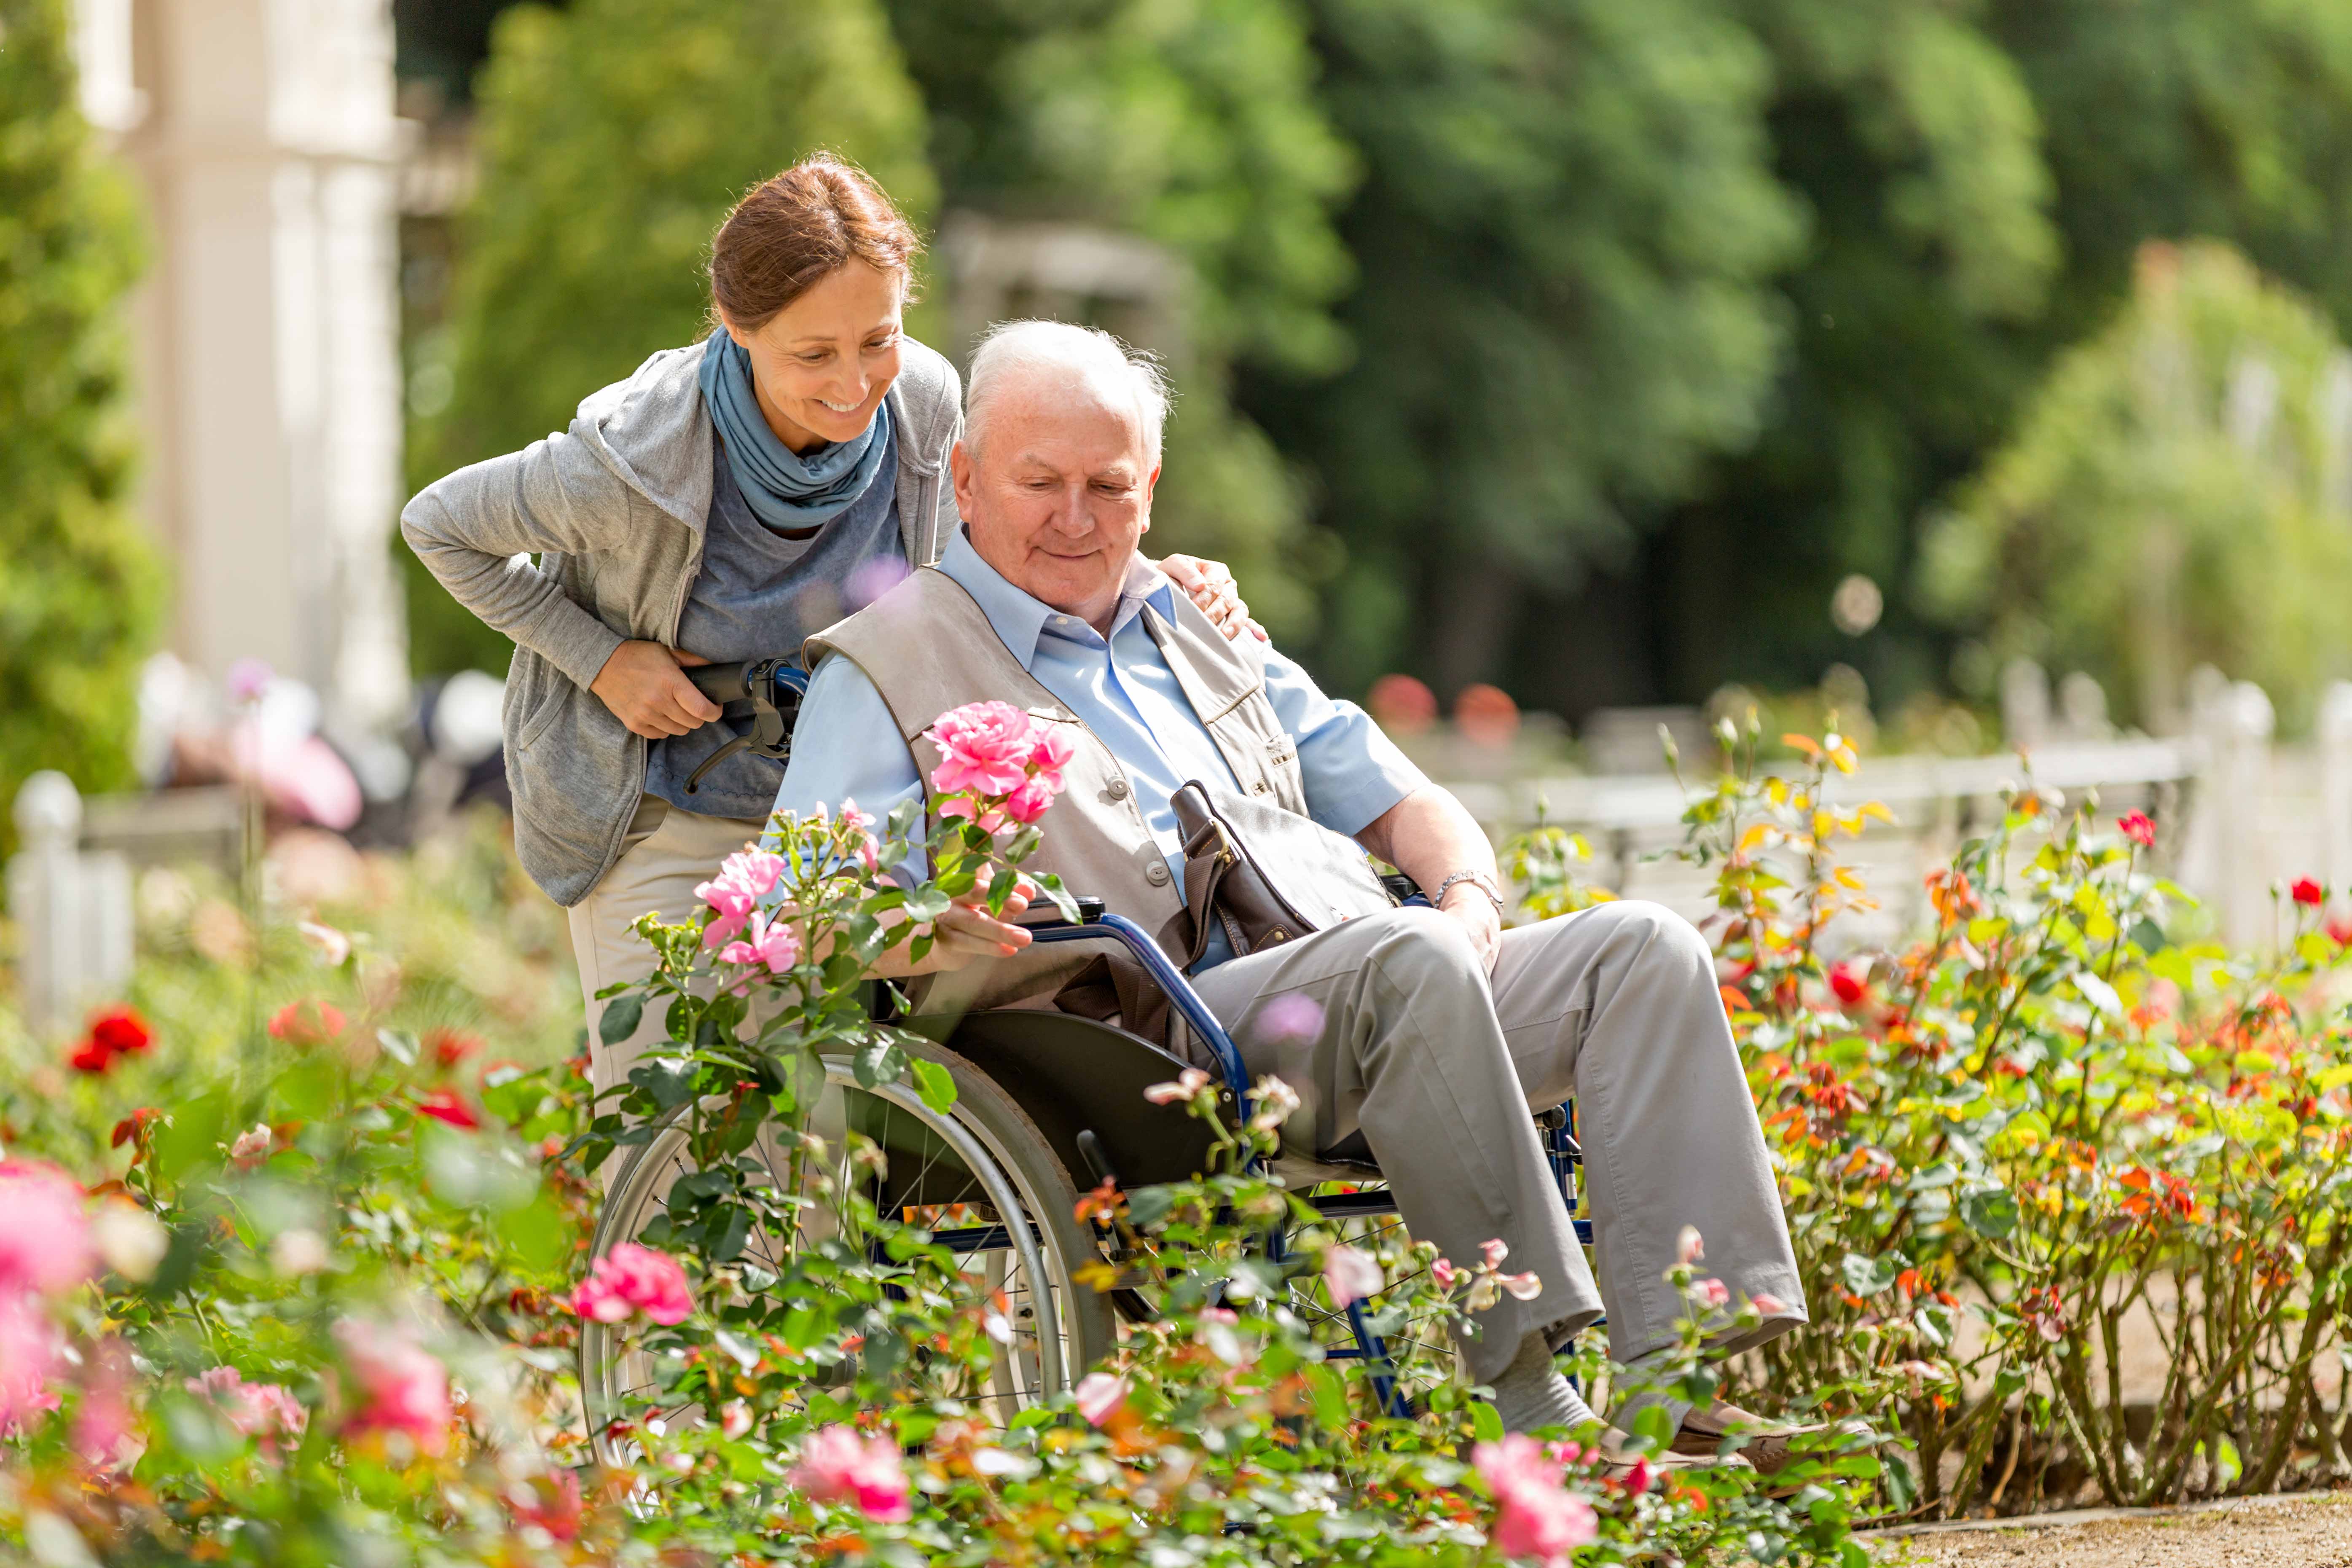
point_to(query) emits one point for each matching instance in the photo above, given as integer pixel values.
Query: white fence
(2238, 816)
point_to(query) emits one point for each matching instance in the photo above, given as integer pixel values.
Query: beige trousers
(667, 853)
(1412, 1048)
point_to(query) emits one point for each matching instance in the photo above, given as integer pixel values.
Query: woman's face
(822, 362)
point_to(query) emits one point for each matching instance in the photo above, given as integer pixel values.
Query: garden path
(2311, 1530)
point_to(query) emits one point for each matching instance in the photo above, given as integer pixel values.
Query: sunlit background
(1553, 372)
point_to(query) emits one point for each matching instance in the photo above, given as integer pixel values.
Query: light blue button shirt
(845, 745)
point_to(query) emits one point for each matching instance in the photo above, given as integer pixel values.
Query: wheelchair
(1048, 1105)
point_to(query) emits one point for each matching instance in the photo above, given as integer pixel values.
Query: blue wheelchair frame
(1561, 1147)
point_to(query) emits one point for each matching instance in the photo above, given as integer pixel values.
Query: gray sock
(1531, 1392)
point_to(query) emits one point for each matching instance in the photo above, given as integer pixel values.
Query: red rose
(309, 1022)
(1850, 981)
(133, 1128)
(451, 1047)
(2306, 891)
(2339, 931)
(118, 1031)
(2136, 828)
(443, 1105)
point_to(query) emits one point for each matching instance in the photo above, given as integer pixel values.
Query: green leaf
(620, 1017)
(935, 1084)
(538, 1234)
(1992, 1211)
(878, 1062)
(1867, 1276)
(1148, 1206)
(1487, 1421)
(1330, 1396)
(669, 1079)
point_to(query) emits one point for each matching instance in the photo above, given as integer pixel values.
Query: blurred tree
(1192, 123)
(2169, 119)
(1912, 138)
(2178, 492)
(614, 135)
(1566, 238)
(79, 588)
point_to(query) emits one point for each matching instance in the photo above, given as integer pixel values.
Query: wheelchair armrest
(1096, 922)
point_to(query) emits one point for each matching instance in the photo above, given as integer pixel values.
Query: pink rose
(1712, 1291)
(262, 1410)
(744, 878)
(402, 1386)
(1028, 803)
(989, 818)
(854, 820)
(1536, 1517)
(44, 1245)
(1445, 1273)
(869, 853)
(28, 1355)
(775, 944)
(632, 1278)
(1189, 1082)
(1495, 1251)
(838, 1466)
(984, 749)
(1688, 1246)
(1522, 1287)
(1769, 1304)
(1100, 1395)
(1350, 1275)
(1052, 751)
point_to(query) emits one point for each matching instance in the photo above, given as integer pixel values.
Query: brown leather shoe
(1767, 1446)
(1619, 1461)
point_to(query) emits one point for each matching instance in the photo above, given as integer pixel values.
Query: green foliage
(614, 137)
(1979, 178)
(80, 590)
(1565, 240)
(2044, 1126)
(1194, 125)
(2179, 492)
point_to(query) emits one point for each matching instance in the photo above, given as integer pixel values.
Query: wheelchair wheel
(980, 1178)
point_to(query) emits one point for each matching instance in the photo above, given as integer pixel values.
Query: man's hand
(1208, 585)
(964, 935)
(645, 687)
(1477, 911)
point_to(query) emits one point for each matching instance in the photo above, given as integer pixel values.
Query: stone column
(266, 333)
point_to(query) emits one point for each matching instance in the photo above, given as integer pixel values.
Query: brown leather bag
(1263, 875)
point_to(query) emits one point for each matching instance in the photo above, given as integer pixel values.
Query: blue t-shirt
(758, 594)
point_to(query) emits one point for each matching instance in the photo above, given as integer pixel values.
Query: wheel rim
(975, 1201)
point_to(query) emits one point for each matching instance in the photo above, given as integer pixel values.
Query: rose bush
(312, 1292)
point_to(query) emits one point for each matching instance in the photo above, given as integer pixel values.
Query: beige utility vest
(928, 647)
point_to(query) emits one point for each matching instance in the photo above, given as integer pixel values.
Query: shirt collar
(1021, 620)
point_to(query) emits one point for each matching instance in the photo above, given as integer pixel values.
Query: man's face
(1060, 493)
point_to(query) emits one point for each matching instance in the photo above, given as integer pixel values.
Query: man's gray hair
(1010, 348)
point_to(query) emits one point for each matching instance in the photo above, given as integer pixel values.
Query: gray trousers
(1437, 1065)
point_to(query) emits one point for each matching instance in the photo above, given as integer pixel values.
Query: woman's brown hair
(792, 231)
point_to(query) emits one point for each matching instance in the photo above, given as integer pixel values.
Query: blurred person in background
(724, 502)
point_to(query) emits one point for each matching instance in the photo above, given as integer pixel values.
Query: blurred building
(266, 331)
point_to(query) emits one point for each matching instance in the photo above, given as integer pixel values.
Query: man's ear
(967, 477)
(1151, 483)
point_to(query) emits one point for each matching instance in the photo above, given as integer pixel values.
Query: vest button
(1258, 788)
(1116, 788)
(1156, 873)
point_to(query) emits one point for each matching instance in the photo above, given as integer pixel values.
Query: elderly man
(1439, 1030)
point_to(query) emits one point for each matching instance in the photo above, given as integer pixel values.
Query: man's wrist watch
(1478, 879)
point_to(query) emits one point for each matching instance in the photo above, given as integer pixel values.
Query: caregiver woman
(723, 503)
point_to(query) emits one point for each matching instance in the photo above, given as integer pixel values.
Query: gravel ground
(2310, 1531)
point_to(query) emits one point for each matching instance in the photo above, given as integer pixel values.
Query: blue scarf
(785, 489)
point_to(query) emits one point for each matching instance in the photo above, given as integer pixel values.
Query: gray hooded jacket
(613, 508)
